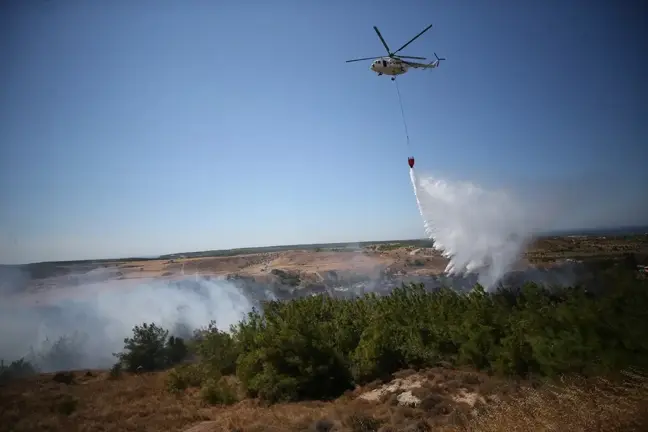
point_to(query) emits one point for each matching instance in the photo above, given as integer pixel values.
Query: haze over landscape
(156, 127)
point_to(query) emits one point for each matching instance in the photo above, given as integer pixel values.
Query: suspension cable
(400, 100)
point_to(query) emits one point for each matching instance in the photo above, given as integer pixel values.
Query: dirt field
(316, 265)
(407, 259)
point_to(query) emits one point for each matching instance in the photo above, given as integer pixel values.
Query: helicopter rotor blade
(382, 40)
(365, 58)
(413, 39)
(410, 57)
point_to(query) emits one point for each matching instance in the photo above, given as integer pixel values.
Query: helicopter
(393, 64)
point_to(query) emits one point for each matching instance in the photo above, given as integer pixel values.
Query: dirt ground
(92, 402)
(437, 399)
(364, 262)
(398, 258)
(313, 264)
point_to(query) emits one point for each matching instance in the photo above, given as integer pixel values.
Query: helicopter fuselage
(388, 66)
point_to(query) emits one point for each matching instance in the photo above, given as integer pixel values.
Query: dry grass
(95, 403)
(575, 406)
(449, 400)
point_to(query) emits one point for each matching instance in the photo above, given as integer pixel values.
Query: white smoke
(479, 231)
(95, 317)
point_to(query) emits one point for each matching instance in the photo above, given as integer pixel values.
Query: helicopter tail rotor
(436, 62)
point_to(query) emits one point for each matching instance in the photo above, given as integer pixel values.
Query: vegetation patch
(440, 360)
(287, 278)
(316, 348)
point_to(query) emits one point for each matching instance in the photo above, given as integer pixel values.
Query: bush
(176, 350)
(219, 391)
(185, 376)
(63, 377)
(289, 354)
(217, 350)
(151, 349)
(287, 278)
(115, 371)
(15, 370)
(66, 405)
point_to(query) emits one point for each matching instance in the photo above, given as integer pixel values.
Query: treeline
(315, 246)
(318, 347)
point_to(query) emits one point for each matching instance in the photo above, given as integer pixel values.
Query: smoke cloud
(92, 319)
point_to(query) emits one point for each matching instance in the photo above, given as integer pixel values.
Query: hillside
(401, 357)
(416, 359)
(451, 400)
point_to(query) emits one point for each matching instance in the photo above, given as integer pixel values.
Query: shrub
(15, 370)
(289, 353)
(287, 278)
(176, 350)
(362, 423)
(219, 391)
(63, 377)
(185, 376)
(67, 405)
(217, 350)
(115, 371)
(151, 349)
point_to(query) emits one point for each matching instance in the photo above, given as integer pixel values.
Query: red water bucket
(410, 162)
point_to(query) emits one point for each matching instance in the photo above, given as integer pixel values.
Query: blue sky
(130, 128)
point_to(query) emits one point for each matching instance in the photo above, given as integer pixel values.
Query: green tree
(292, 355)
(176, 350)
(217, 349)
(150, 349)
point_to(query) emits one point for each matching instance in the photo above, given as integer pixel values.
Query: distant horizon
(620, 230)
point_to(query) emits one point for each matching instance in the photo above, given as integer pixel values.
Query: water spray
(479, 231)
